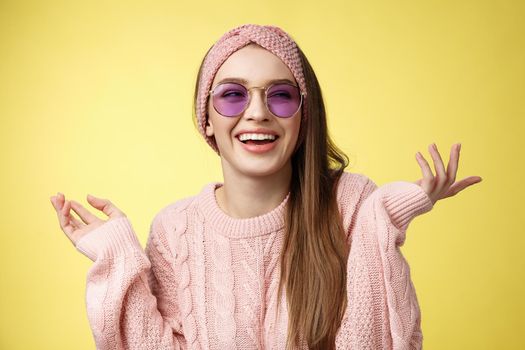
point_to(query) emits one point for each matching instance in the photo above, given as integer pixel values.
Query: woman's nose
(256, 108)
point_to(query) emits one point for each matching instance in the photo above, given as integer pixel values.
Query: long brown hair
(314, 252)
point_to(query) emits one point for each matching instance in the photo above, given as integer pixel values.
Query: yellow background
(96, 97)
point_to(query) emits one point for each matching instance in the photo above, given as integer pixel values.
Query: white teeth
(244, 137)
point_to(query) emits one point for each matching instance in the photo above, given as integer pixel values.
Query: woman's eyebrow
(244, 81)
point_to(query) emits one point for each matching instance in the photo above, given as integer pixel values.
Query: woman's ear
(209, 127)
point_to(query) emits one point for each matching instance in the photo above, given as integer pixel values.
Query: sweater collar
(226, 225)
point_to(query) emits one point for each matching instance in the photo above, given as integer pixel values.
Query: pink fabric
(272, 38)
(209, 281)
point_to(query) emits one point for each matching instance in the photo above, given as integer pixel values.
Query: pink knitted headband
(271, 38)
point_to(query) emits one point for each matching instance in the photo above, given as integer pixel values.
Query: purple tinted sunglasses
(283, 100)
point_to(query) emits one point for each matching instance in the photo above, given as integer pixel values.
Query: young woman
(290, 251)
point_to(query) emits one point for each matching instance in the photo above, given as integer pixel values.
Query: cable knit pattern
(251, 287)
(209, 281)
(188, 320)
(271, 278)
(224, 301)
(200, 277)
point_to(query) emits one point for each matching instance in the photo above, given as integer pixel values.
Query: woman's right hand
(76, 229)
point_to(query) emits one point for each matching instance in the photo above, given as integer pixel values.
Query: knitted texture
(209, 281)
(272, 38)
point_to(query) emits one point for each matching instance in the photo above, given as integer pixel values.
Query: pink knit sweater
(209, 281)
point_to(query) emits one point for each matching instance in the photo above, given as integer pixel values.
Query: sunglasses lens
(284, 100)
(229, 99)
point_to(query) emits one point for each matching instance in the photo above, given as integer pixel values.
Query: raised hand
(74, 228)
(442, 185)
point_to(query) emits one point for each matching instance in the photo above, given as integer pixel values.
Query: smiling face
(258, 67)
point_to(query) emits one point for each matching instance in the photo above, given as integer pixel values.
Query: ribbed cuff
(113, 238)
(404, 201)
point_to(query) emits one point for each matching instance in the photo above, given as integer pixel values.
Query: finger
(54, 200)
(428, 177)
(104, 205)
(76, 222)
(64, 219)
(425, 168)
(438, 165)
(83, 213)
(62, 213)
(462, 184)
(60, 200)
(453, 162)
(65, 209)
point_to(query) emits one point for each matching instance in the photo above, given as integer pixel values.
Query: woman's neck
(245, 197)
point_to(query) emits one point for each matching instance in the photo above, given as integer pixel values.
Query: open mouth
(258, 142)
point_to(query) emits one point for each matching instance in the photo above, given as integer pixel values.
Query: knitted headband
(271, 38)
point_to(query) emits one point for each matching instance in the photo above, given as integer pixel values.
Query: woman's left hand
(442, 185)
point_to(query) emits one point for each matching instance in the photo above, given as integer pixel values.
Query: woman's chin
(258, 167)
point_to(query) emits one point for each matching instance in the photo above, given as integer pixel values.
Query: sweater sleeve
(128, 291)
(379, 275)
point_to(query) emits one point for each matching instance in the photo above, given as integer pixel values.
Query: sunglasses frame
(265, 88)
